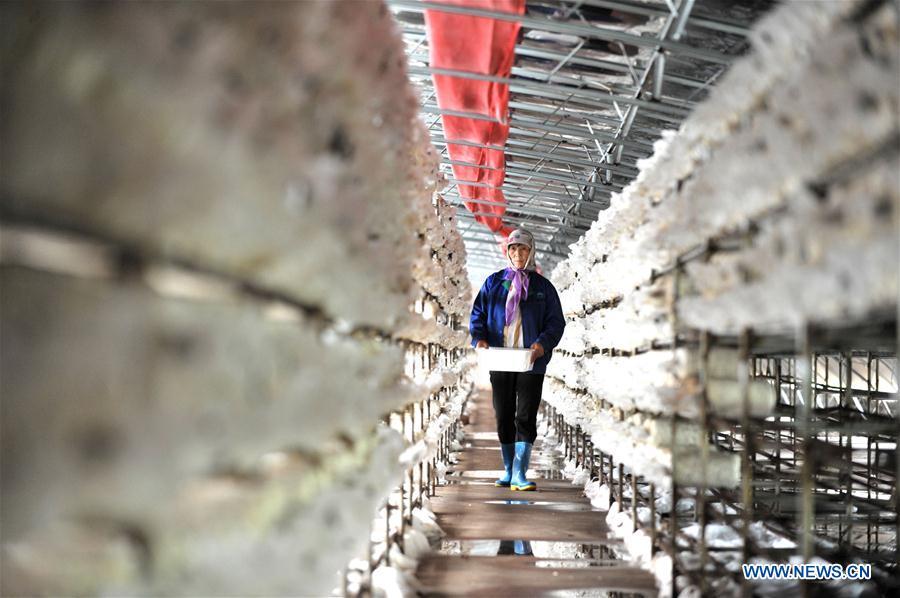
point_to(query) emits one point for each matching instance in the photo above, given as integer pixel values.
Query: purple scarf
(518, 290)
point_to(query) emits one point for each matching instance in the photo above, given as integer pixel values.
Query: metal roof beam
(557, 227)
(568, 155)
(538, 247)
(577, 29)
(544, 236)
(534, 226)
(522, 86)
(513, 170)
(531, 123)
(516, 176)
(537, 210)
(555, 157)
(579, 221)
(529, 51)
(519, 191)
(651, 11)
(524, 193)
(575, 113)
(639, 149)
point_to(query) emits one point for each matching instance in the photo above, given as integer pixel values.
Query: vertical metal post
(846, 401)
(591, 454)
(621, 487)
(804, 415)
(387, 531)
(746, 468)
(673, 518)
(780, 432)
(634, 497)
(700, 497)
(579, 461)
(652, 519)
(878, 518)
(673, 530)
(869, 450)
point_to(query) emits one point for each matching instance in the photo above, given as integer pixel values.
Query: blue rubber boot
(522, 547)
(509, 454)
(520, 467)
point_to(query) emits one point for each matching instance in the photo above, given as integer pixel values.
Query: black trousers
(517, 396)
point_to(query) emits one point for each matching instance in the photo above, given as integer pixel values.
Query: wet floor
(550, 542)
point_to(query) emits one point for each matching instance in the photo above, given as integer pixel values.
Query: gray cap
(522, 237)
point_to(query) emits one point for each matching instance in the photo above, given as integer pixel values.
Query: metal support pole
(653, 531)
(804, 416)
(743, 377)
(700, 497)
(387, 532)
(634, 499)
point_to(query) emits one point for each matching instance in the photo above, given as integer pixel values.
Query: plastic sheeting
(484, 46)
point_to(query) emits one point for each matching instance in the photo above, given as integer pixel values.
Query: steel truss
(590, 92)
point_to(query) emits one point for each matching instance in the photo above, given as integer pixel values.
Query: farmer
(517, 307)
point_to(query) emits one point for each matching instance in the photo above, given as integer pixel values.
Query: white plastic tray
(505, 359)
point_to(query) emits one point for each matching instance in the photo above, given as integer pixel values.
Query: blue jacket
(542, 316)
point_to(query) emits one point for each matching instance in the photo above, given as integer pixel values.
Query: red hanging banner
(482, 46)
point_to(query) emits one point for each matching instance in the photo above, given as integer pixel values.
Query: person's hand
(537, 351)
(482, 344)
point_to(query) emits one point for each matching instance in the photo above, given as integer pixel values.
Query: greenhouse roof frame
(593, 86)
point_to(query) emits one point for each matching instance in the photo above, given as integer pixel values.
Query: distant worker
(517, 307)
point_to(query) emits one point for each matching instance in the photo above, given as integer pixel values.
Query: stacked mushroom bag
(225, 440)
(776, 204)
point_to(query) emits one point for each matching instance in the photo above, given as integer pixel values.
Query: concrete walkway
(503, 543)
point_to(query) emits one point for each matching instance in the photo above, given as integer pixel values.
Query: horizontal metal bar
(483, 258)
(540, 236)
(531, 194)
(519, 176)
(564, 76)
(489, 241)
(524, 207)
(575, 61)
(528, 51)
(579, 130)
(516, 204)
(560, 157)
(535, 224)
(481, 262)
(571, 100)
(524, 136)
(570, 112)
(513, 210)
(536, 88)
(530, 123)
(634, 149)
(513, 190)
(577, 29)
(647, 10)
(580, 113)
(520, 181)
(538, 249)
(429, 109)
(512, 202)
(574, 232)
(512, 170)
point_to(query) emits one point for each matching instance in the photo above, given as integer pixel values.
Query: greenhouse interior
(393, 298)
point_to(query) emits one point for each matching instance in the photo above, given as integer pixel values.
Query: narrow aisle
(505, 543)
